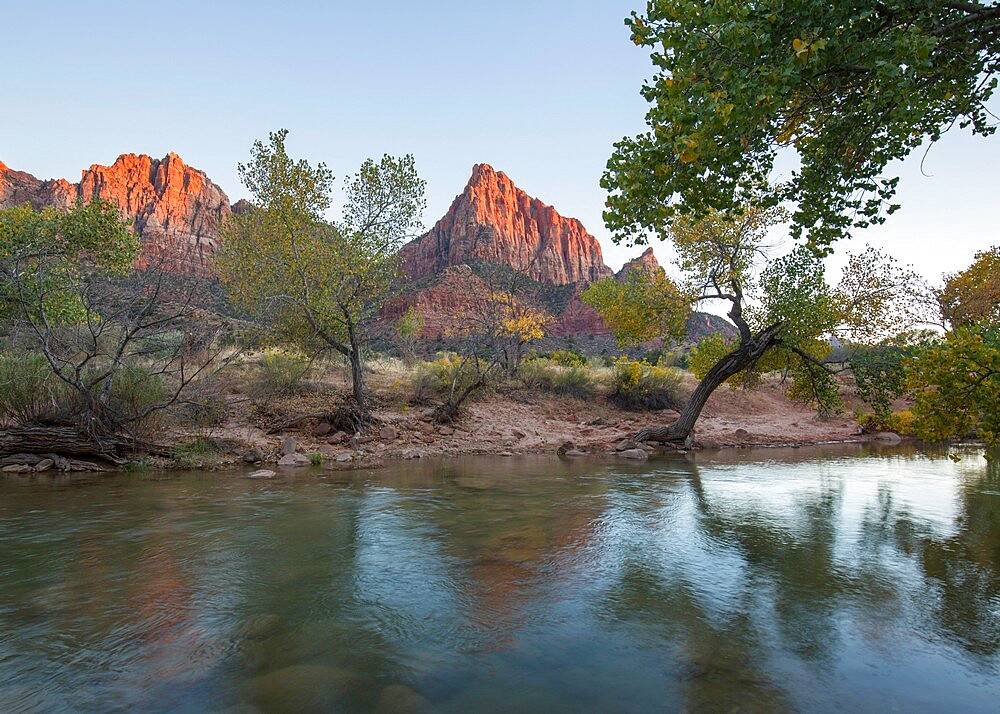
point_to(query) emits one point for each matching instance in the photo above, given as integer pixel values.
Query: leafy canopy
(313, 280)
(956, 385)
(47, 256)
(845, 87)
(973, 295)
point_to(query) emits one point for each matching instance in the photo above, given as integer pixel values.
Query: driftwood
(67, 441)
(56, 462)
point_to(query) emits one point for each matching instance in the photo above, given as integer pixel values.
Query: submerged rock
(301, 688)
(633, 454)
(401, 699)
(262, 473)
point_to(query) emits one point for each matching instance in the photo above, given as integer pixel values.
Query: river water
(823, 579)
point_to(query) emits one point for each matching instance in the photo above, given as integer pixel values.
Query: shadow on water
(771, 580)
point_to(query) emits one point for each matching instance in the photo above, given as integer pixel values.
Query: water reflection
(794, 580)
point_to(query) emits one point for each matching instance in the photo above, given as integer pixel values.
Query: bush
(134, 389)
(568, 358)
(29, 391)
(447, 374)
(278, 373)
(191, 454)
(899, 422)
(640, 385)
(550, 376)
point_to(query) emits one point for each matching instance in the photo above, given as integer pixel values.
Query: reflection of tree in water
(962, 569)
(721, 660)
(797, 562)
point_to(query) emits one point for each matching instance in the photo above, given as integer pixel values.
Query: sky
(540, 90)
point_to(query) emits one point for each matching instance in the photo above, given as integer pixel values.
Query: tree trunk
(62, 440)
(357, 372)
(743, 357)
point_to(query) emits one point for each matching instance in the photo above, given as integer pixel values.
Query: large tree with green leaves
(839, 88)
(956, 380)
(310, 280)
(784, 309)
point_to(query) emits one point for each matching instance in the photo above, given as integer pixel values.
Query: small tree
(309, 280)
(787, 327)
(408, 328)
(108, 345)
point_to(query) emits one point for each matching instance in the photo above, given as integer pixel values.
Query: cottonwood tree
(839, 88)
(106, 345)
(310, 280)
(783, 308)
(956, 380)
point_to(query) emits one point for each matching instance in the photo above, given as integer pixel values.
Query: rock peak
(175, 209)
(494, 221)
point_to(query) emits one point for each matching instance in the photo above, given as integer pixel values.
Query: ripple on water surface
(808, 580)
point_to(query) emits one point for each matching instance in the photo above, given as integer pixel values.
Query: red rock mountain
(493, 221)
(175, 209)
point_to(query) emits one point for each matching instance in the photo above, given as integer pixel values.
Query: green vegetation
(309, 281)
(956, 380)
(641, 385)
(844, 87)
(549, 375)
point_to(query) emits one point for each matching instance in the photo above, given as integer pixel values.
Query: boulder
(888, 437)
(44, 465)
(344, 457)
(252, 456)
(388, 434)
(637, 454)
(18, 469)
(445, 430)
(293, 460)
(566, 446)
(412, 454)
(288, 446)
(626, 445)
(322, 429)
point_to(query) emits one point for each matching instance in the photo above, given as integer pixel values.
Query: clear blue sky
(539, 90)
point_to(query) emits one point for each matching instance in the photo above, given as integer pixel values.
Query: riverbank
(520, 422)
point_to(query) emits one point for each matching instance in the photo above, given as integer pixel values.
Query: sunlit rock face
(174, 208)
(493, 221)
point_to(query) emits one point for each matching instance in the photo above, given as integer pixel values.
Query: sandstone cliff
(494, 221)
(174, 208)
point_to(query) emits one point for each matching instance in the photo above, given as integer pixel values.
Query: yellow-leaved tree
(308, 279)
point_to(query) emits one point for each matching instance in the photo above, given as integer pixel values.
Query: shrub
(278, 373)
(29, 391)
(550, 376)
(191, 453)
(640, 385)
(134, 389)
(568, 358)
(899, 422)
(447, 374)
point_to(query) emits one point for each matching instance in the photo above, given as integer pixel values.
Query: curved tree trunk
(743, 357)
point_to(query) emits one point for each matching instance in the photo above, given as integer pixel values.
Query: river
(822, 579)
